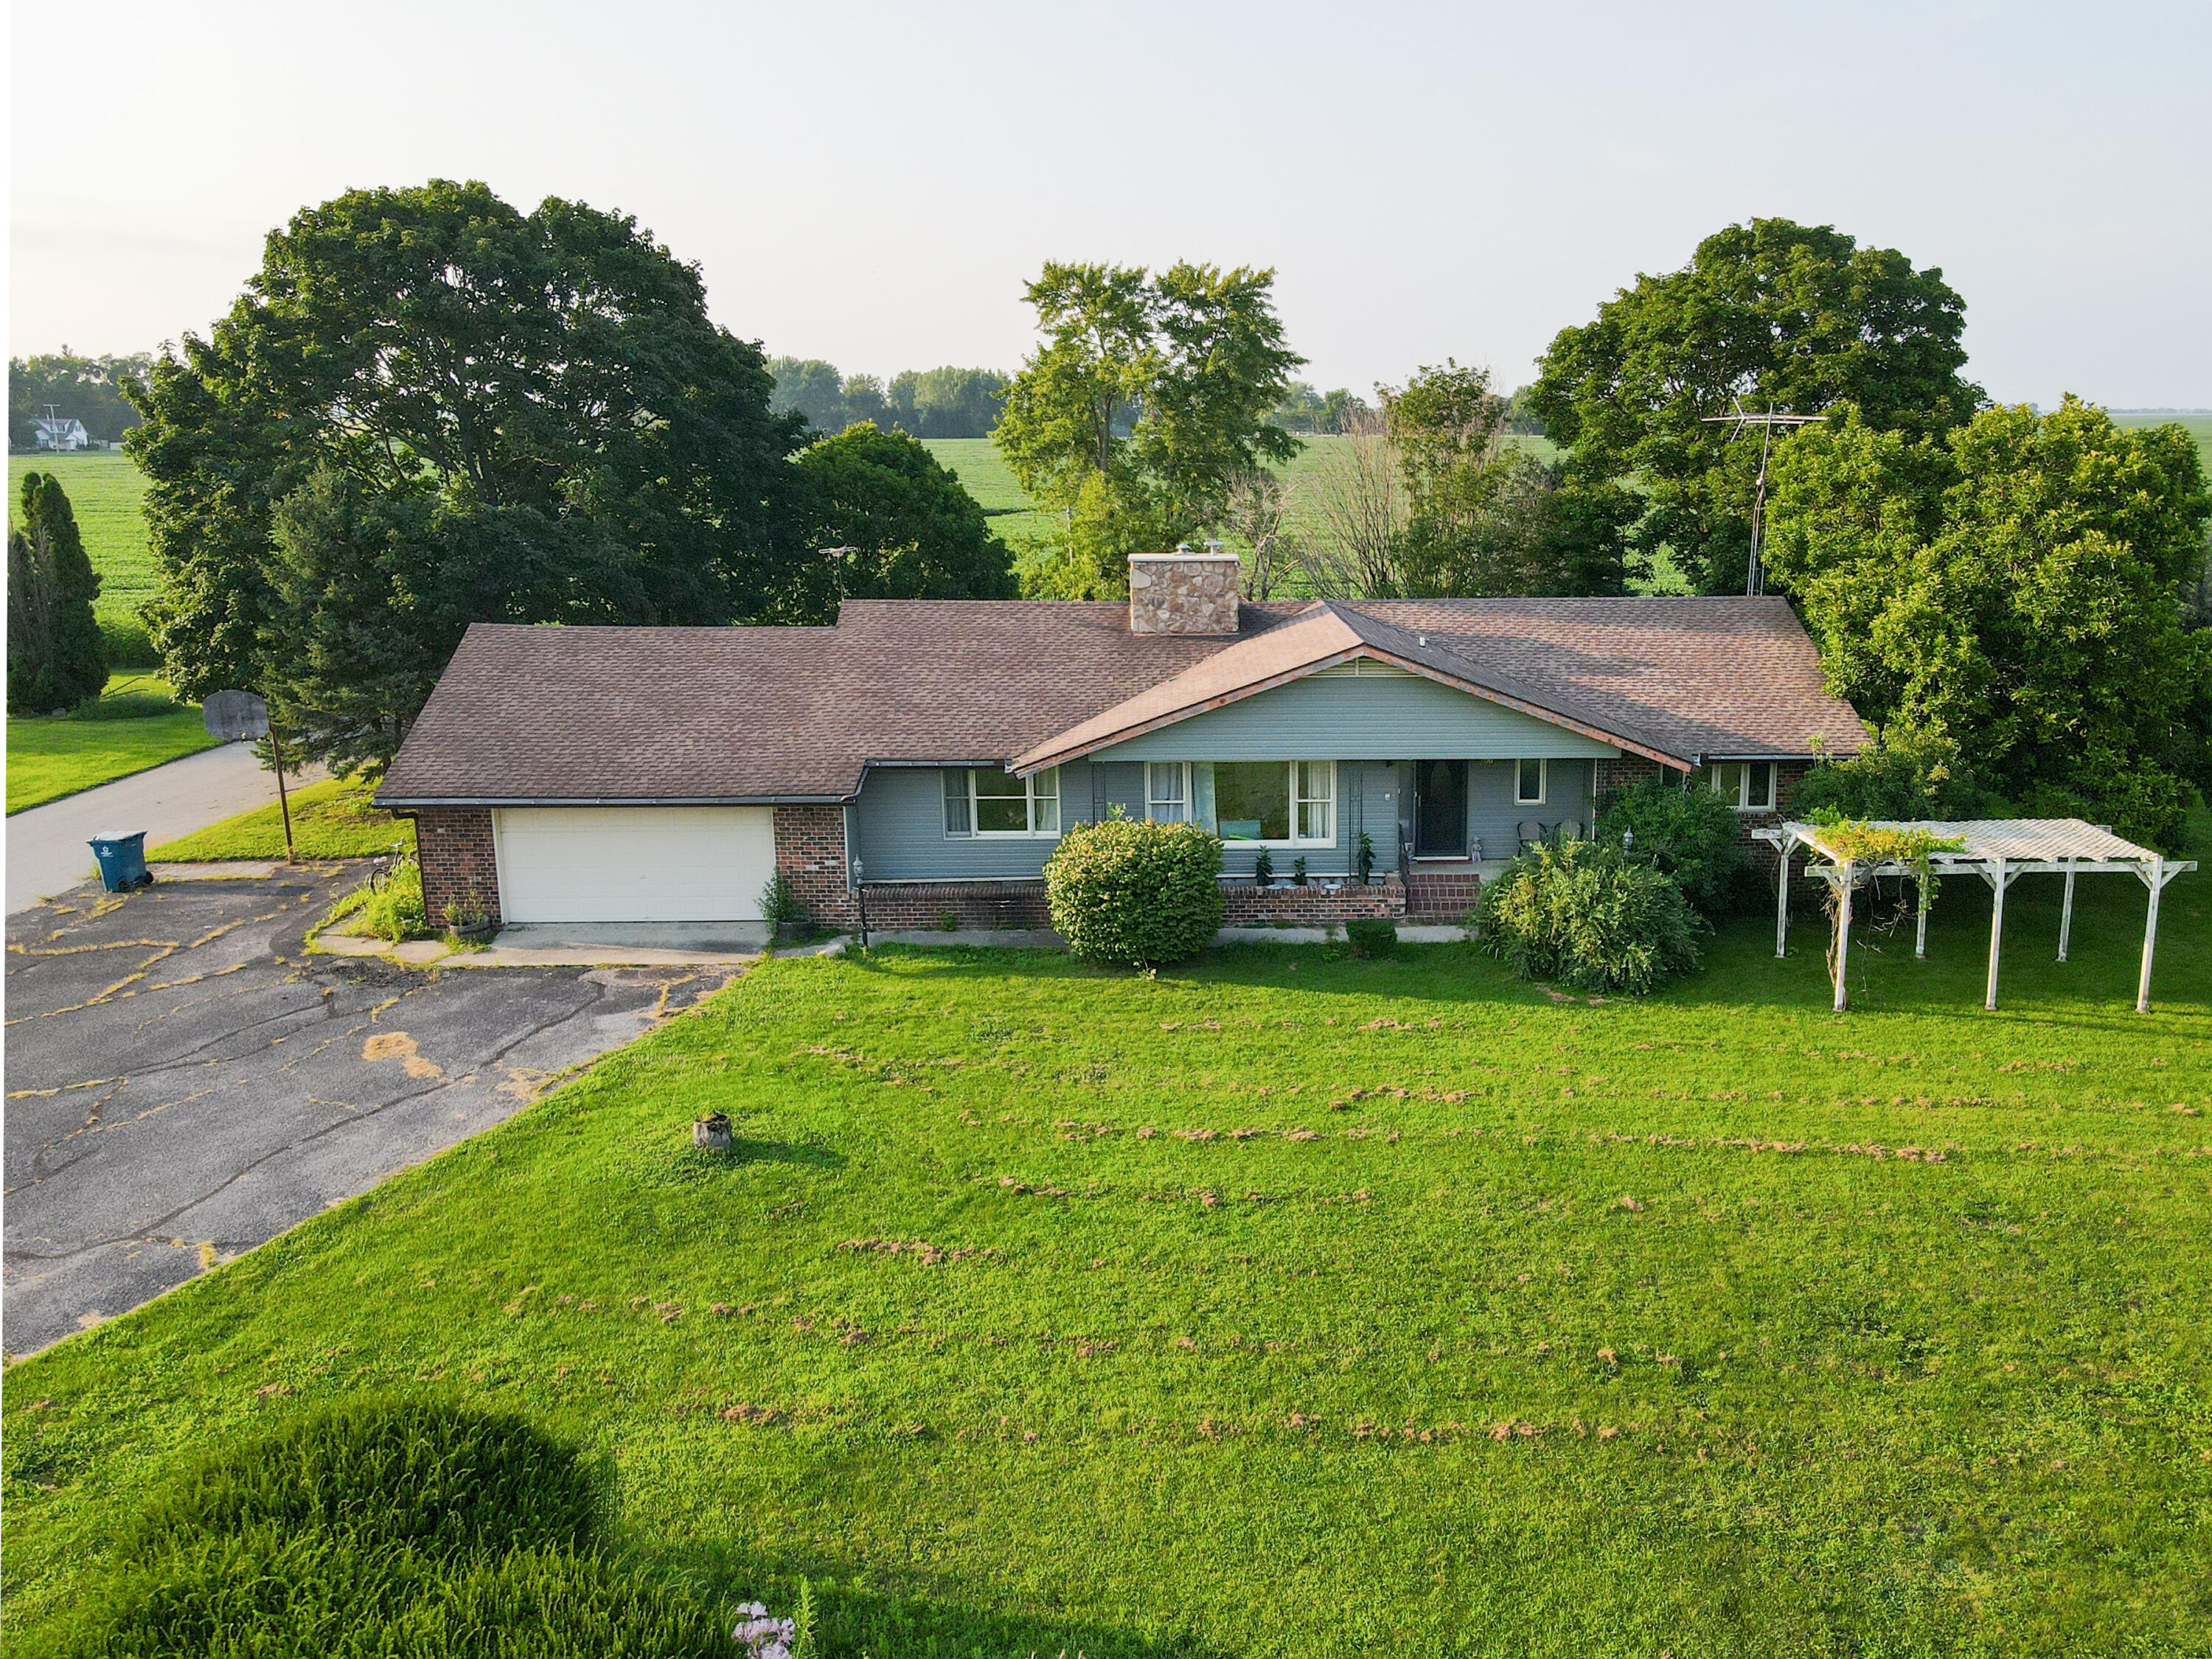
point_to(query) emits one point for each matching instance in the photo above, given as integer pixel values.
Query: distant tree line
(89, 389)
(930, 403)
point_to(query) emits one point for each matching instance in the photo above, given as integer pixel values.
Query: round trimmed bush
(1581, 914)
(1135, 894)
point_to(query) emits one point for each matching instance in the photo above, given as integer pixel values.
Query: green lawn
(106, 491)
(1293, 1304)
(331, 819)
(48, 758)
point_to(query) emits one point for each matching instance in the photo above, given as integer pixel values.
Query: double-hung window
(1167, 792)
(984, 801)
(1530, 779)
(1747, 785)
(1276, 803)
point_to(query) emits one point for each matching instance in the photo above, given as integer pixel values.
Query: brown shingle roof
(796, 714)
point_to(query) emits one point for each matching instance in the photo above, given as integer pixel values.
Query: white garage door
(634, 863)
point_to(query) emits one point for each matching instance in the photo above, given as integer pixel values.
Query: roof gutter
(393, 802)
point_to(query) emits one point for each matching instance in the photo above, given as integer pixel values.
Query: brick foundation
(810, 855)
(1243, 905)
(459, 866)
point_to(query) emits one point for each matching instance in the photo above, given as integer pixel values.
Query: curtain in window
(957, 820)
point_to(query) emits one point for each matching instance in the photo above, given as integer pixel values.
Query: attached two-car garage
(595, 864)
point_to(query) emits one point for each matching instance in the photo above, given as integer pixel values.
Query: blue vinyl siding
(1363, 718)
(1493, 816)
(898, 829)
(1370, 725)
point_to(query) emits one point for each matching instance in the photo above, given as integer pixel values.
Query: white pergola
(1998, 850)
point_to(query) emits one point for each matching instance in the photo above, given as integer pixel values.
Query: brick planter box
(1243, 905)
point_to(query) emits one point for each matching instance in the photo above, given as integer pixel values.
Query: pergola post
(1843, 938)
(2155, 879)
(1920, 930)
(1782, 903)
(2066, 912)
(1997, 929)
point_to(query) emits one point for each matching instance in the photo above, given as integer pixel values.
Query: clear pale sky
(873, 183)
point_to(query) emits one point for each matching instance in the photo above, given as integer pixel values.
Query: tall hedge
(1135, 894)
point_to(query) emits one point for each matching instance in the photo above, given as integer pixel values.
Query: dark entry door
(1440, 809)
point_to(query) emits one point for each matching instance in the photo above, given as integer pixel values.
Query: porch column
(1920, 927)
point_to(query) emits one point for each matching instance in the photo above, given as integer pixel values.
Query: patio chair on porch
(1530, 835)
(1570, 830)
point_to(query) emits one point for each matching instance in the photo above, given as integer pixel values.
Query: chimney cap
(1184, 556)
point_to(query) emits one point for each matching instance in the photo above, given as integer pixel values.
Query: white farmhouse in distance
(53, 431)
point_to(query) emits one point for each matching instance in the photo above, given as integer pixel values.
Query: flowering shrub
(1584, 915)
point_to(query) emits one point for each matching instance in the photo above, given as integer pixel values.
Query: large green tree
(547, 384)
(56, 656)
(894, 523)
(1149, 400)
(1773, 314)
(2012, 589)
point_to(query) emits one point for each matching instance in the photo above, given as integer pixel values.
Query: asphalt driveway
(184, 1082)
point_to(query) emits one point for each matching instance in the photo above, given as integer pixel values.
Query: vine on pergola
(1855, 845)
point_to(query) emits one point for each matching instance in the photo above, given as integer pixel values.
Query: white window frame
(1543, 783)
(1743, 802)
(1179, 772)
(1034, 798)
(1295, 774)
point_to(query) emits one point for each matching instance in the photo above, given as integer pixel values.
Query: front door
(1440, 809)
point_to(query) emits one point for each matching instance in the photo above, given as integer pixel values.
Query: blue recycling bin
(121, 855)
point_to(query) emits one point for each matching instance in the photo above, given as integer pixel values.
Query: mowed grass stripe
(1431, 1312)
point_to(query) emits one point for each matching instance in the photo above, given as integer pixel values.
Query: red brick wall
(459, 867)
(810, 854)
(1243, 905)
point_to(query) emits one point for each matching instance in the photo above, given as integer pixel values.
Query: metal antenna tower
(1754, 575)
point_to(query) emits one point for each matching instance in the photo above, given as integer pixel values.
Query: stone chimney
(1183, 592)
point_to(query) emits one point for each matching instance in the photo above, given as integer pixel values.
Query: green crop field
(107, 491)
(1287, 1304)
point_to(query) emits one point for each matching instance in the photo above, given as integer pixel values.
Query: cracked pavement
(184, 1082)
